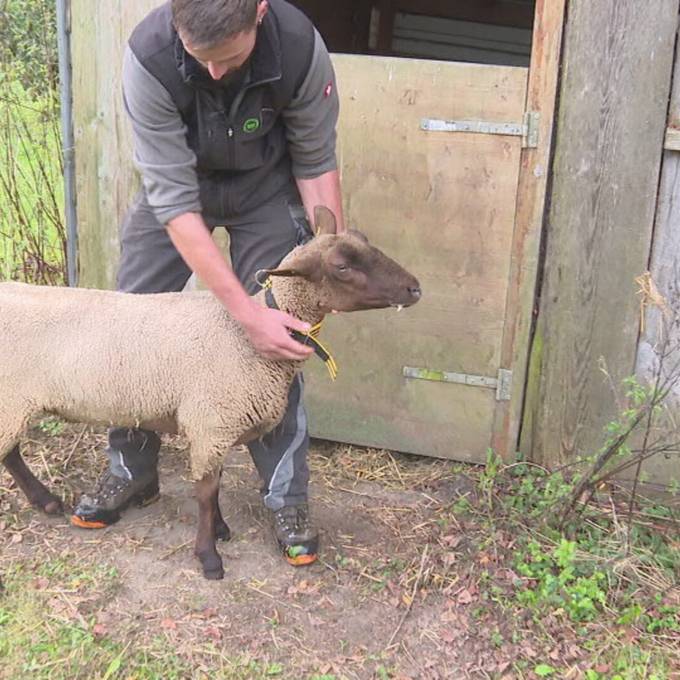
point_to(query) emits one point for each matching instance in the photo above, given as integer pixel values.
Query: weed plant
(32, 232)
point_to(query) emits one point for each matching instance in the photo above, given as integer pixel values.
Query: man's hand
(268, 331)
(266, 328)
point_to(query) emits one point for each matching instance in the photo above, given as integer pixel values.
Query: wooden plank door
(443, 204)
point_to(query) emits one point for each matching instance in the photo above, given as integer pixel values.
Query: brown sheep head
(348, 272)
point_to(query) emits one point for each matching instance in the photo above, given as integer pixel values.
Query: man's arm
(266, 328)
(323, 190)
(311, 119)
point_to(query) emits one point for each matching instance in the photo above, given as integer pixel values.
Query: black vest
(238, 138)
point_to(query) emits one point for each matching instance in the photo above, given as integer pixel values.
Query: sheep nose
(414, 292)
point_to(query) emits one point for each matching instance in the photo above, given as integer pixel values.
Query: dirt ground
(388, 598)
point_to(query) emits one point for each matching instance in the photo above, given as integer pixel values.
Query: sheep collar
(309, 339)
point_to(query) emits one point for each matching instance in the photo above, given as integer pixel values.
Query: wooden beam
(672, 142)
(387, 9)
(664, 267)
(617, 66)
(500, 12)
(531, 198)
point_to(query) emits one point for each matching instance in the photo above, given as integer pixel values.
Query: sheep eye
(342, 267)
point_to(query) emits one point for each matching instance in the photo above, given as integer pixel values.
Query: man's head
(219, 34)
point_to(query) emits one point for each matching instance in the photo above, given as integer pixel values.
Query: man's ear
(262, 8)
(324, 221)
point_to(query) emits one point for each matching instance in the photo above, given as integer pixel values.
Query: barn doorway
(478, 31)
(441, 197)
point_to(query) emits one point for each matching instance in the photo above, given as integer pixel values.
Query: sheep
(175, 362)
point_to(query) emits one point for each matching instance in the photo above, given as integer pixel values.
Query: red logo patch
(328, 90)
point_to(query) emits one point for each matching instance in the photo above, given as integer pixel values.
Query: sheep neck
(298, 297)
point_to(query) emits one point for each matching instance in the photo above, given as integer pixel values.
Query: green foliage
(581, 575)
(28, 45)
(51, 425)
(560, 581)
(32, 234)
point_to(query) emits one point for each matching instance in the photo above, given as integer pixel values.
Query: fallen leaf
(448, 635)
(213, 633)
(169, 624)
(449, 559)
(99, 630)
(17, 538)
(452, 540)
(465, 596)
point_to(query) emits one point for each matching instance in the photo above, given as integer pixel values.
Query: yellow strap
(313, 332)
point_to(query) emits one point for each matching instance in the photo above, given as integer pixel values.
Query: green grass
(48, 632)
(41, 635)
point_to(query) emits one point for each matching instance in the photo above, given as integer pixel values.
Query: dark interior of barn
(479, 31)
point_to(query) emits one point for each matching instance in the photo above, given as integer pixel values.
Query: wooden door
(443, 204)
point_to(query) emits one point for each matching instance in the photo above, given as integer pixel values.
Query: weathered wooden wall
(617, 65)
(665, 271)
(105, 176)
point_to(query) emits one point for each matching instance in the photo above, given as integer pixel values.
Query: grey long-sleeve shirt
(168, 165)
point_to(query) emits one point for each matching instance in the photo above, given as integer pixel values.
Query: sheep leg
(206, 494)
(37, 494)
(222, 532)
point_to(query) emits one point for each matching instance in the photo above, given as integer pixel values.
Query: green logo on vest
(251, 125)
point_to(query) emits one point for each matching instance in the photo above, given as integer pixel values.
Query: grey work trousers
(151, 264)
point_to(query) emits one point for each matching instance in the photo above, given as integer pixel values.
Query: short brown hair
(208, 22)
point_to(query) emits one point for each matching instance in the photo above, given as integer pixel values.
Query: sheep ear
(324, 221)
(308, 267)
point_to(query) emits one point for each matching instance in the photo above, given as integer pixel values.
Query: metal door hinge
(528, 130)
(502, 383)
(532, 121)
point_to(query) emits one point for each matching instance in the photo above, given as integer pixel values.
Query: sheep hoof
(53, 507)
(212, 566)
(49, 504)
(222, 532)
(214, 574)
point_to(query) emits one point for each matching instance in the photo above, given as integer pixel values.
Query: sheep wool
(174, 362)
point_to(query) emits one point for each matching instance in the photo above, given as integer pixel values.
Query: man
(233, 107)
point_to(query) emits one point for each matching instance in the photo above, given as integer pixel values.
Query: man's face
(231, 54)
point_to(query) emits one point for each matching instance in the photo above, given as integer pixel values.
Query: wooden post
(617, 65)
(531, 196)
(665, 271)
(386, 26)
(105, 176)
